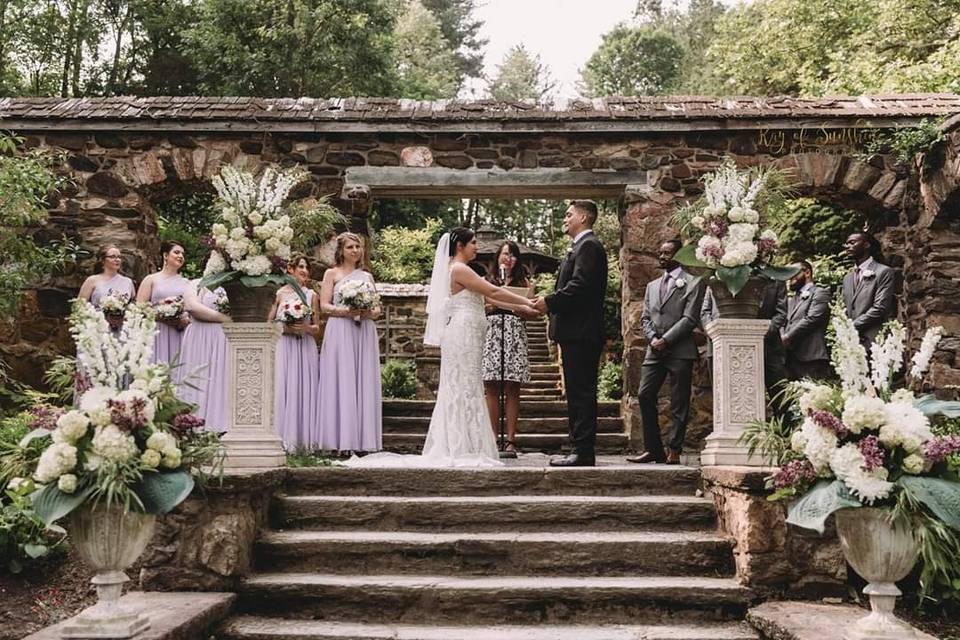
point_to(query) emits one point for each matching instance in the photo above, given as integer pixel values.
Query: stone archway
(120, 149)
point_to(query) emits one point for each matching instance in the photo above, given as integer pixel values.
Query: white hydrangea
(56, 460)
(697, 221)
(863, 412)
(798, 441)
(238, 233)
(128, 396)
(67, 483)
(903, 395)
(818, 445)
(751, 215)
(71, 426)
(738, 253)
(914, 464)
(741, 232)
(150, 459)
(847, 463)
(94, 404)
(160, 440)
(905, 426)
(171, 459)
(736, 214)
(815, 397)
(708, 247)
(255, 217)
(215, 264)
(255, 265)
(113, 445)
(769, 234)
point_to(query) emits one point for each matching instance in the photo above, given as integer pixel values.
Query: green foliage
(414, 214)
(828, 270)
(521, 75)
(405, 255)
(811, 510)
(427, 67)
(25, 181)
(633, 61)
(462, 33)
(939, 549)
(398, 379)
(544, 283)
(610, 382)
(60, 378)
(769, 441)
(300, 458)
(187, 219)
(808, 228)
(314, 224)
(24, 538)
(905, 143)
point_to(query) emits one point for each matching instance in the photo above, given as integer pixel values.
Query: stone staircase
(522, 552)
(542, 426)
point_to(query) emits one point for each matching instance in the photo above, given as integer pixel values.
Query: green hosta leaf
(734, 277)
(941, 496)
(214, 280)
(687, 256)
(253, 282)
(33, 435)
(51, 504)
(811, 510)
(779, 273)
(160, 492)
(36, 550)
(929, 405)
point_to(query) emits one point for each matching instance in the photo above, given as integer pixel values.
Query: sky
(563, 32)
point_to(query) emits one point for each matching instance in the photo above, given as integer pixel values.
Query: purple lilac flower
(187, 422)
(45, 416)
(716, 227)
(939, 448)
(872, 451)
(829, 421)
(278, 264)
(766, 246)
(794, 473)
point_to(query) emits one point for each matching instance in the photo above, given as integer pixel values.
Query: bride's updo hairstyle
(459, 236)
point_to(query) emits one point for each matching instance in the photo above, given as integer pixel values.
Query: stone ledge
(749, 479)
(247, 480)
(173, 616)
(808, 620)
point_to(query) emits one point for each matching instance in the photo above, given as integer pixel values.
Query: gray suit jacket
(871, 303)
(672, 318)
(806, 327)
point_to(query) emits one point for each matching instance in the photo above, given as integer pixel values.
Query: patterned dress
(516, 363)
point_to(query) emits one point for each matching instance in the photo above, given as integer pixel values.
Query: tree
(428, 70)
(520, 76)
(461, 31)
(282, 48)
(633, 61)
(808, 228)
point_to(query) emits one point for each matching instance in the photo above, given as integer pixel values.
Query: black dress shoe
(645, 458)
(574, 460)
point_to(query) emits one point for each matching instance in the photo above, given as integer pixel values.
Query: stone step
(540, 553)
(494, 513)
(538, 392)
(549, 397)
(611, 477)
(547, 383)
(607, 443)
(420, 424)
(531, 408)
(545, 368)
(552, 376)
(493, 599)
(254, 628)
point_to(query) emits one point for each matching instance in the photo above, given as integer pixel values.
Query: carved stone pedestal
(738, 389)
(252, 441)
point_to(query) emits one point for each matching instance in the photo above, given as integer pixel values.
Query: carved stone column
(252, 441)
(738, 389)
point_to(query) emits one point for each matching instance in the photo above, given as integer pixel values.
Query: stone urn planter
(249, 304)
(745, 304)
(882, 552)
(109, 540)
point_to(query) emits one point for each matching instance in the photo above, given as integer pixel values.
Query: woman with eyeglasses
(108, 285)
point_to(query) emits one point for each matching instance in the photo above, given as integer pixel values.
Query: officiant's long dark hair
(459, 236)
(518, 275)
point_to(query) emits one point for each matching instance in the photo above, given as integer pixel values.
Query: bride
(459, 433)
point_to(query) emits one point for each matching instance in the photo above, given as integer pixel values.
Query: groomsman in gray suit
(804, 336)
(671, 310)
(868, 293)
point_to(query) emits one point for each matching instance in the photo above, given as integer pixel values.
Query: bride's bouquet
(169, 310)
(359, 296)
(113, 305)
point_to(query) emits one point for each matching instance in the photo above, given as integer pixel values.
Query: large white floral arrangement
(725, 226)
(128, 439)
(860, 442)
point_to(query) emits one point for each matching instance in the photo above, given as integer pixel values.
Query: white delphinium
(921, 359)
(848, 356)
(904, 426)
(98, 351)
(136, 340)
(71, 426)
(863, 412)
(886, 355)
(848, 464)
(112, 445)
(56, 460)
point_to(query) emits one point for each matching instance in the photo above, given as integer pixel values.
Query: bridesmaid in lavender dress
(295, 401)
(350, 403)
(166, 283)
(107, 280)
(203, 370)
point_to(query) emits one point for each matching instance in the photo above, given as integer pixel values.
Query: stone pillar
(252, 442)
(738, 389)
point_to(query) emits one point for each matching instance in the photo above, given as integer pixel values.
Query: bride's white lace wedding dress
(460, 433)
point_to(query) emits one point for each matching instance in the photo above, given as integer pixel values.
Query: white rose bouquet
(129, 439)
(724, 228)
(292, 311)
(113, 305)
(359, 296)
(861, 442)
(169, 310)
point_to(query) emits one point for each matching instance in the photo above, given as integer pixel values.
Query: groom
(576, 324)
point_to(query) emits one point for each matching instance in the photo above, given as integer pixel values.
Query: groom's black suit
(576, 324)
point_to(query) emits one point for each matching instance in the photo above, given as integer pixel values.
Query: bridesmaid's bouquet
(222, 303)
(169, 310)
(114, 305)
(293, 311)
(359, 296)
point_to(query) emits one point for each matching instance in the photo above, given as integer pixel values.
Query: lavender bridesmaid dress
(350, 402)
(203, 368)
(167, 343)
(295, 403)
(117, 284)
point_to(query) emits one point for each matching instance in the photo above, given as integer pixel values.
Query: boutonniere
(867, 273)
(680, 283)
(804, 295)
